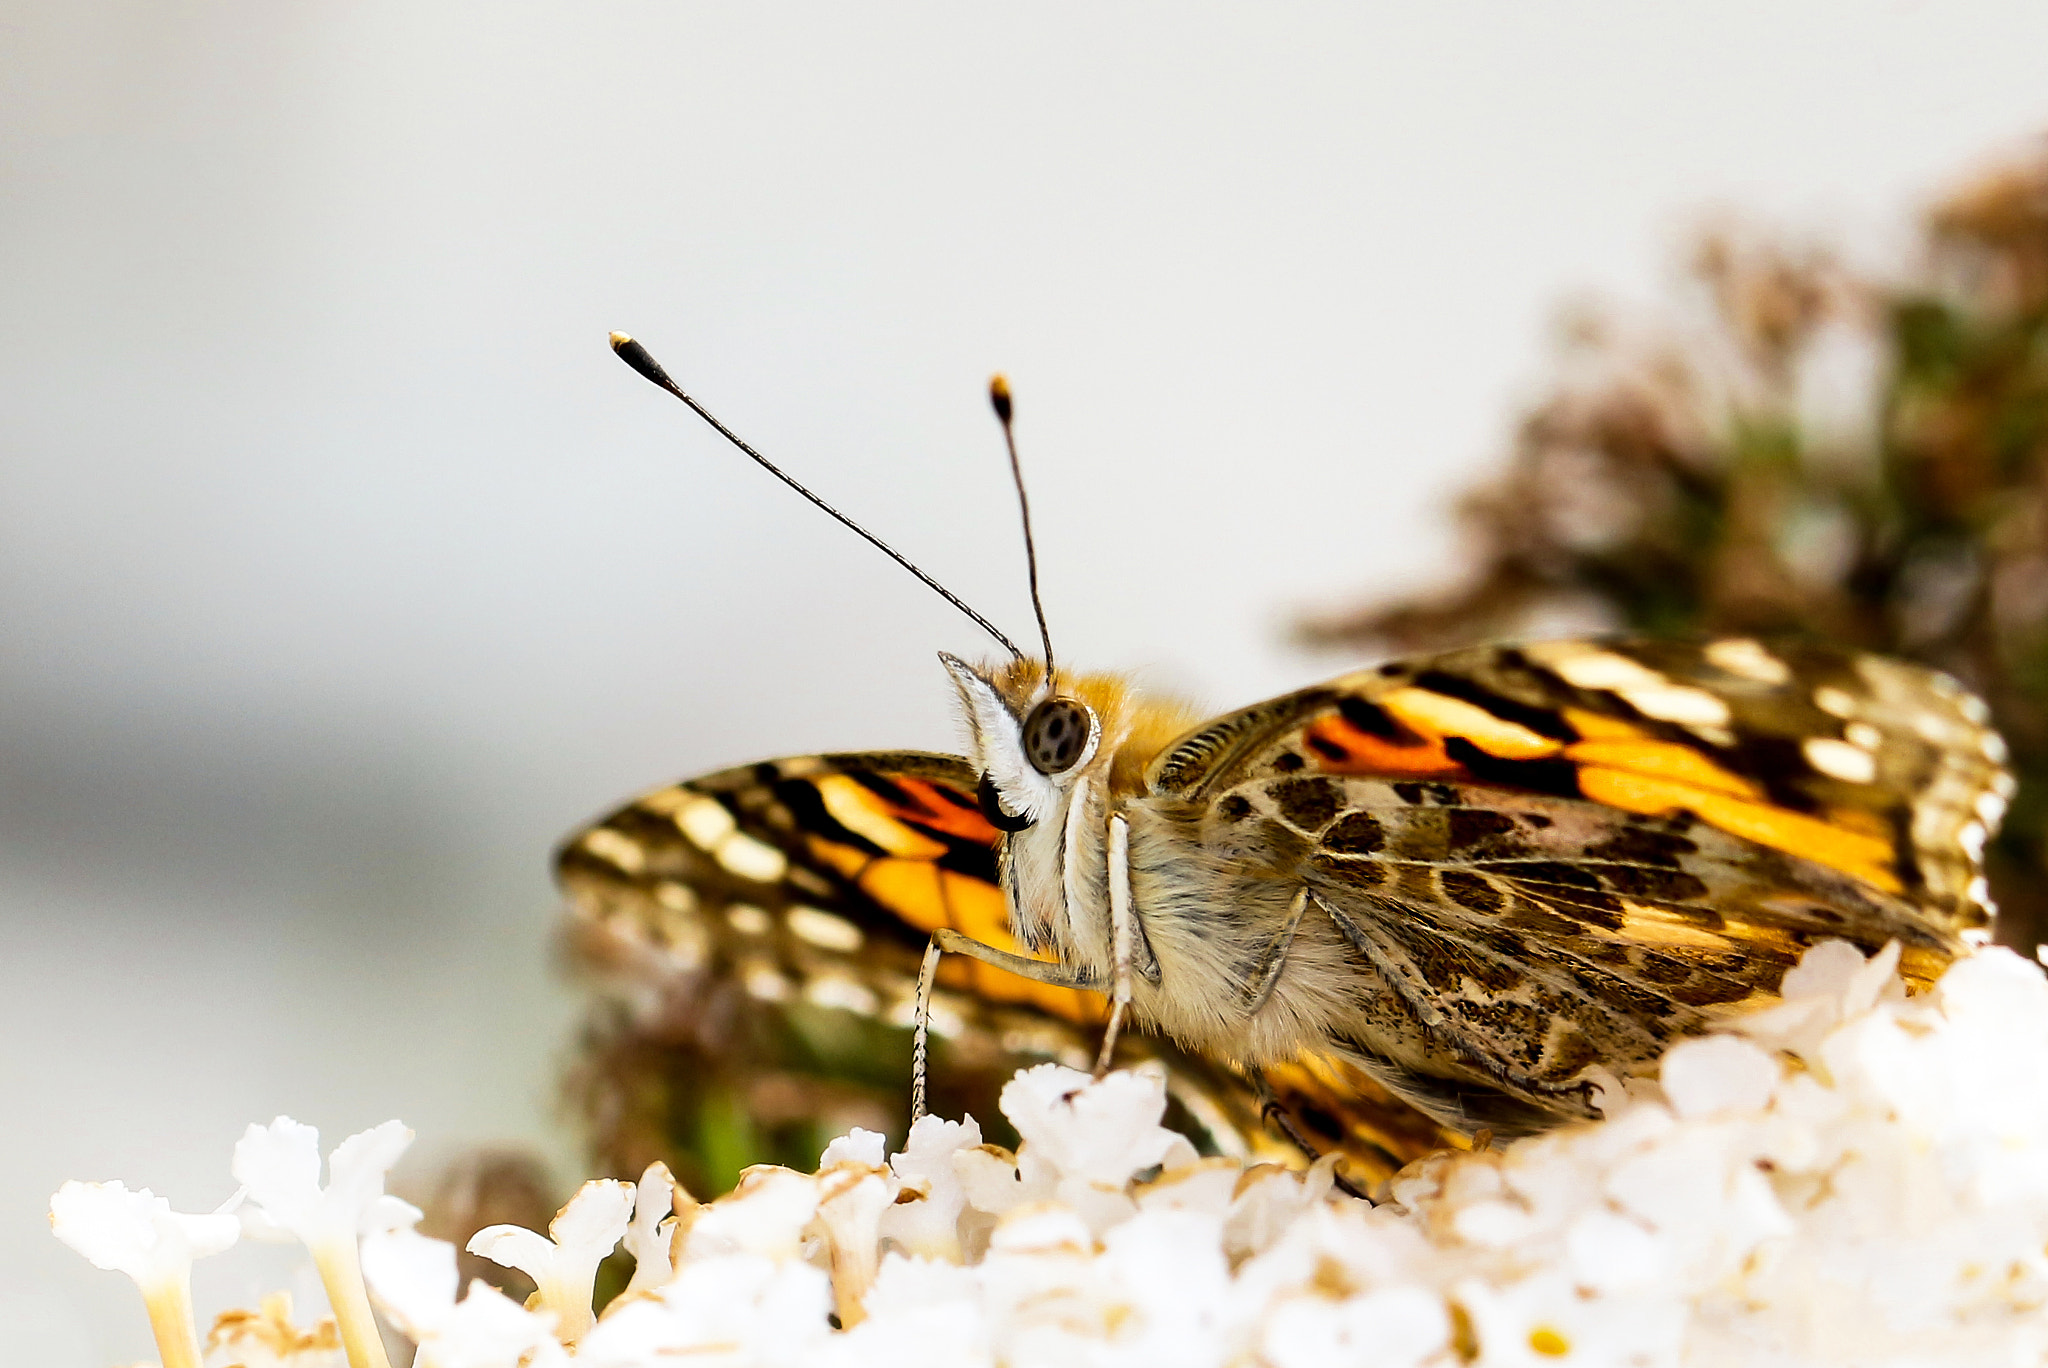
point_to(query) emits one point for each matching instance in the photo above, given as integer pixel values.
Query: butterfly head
(1030, 741)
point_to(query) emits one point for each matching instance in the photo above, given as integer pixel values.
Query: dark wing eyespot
(991, 805)
(1055, 735)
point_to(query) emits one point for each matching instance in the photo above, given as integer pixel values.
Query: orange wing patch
(1411, 739)
(1342, 747)
(1406, 733)
(940, 815)
(1436, 716)
(909, 881)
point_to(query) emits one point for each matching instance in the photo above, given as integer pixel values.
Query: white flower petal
(850, 1207)
(487, 1329)
(517, 1247)
(1717, 1074)
(929, 1223)
(279, 1166)
(390, 1213)
(766, 1215)
(857, 1146)
(412, 1278)
(590, 1225)
(1208, 1186)
(1824, 972)
(136, 1233)
(356, 1169)
(1102, 1132)
(742, 1310)
(647, 1237)
(1397, 1328)
(922, 1313)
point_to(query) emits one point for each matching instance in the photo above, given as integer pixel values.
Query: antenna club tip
(620, 340)
(999, 396)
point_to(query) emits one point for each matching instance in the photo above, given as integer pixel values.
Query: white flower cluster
(1851, 1177)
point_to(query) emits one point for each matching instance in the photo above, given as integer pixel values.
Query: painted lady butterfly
(1461, 882)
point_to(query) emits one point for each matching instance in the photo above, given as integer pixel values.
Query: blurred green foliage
(1820, 453)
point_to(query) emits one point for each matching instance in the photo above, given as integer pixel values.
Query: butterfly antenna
(999, 398)
(636, 356)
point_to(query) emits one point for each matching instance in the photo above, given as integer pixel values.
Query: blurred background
(344, 571)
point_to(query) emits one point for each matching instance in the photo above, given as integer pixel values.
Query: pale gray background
(343, 569)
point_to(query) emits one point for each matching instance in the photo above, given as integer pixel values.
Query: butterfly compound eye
(1055, 734)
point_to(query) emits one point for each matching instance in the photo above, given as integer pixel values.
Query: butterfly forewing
(823, 874)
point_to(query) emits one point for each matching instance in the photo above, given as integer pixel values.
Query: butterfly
(1420, 901)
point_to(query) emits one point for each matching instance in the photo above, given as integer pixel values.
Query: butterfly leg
(1260, 989)
(1283, 1120)
(920, 1036)
(945, 940)
(1122, 927)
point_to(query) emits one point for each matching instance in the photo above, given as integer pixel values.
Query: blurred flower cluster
(1854, 1176)
(1856, 459)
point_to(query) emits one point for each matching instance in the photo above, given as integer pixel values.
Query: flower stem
(341, 1273)
(570, 1300)
(170, 1320)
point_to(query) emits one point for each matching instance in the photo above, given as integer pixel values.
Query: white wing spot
(674, 896)
(748, 919)
(1990, 808)
(1971, 839)
(1979, 890)
(1993, 746)
(1935, 729)
(1678, 703)
(665, 801)
(1840, 760)
(842, 990)
(765, 982)
(1647, 691)
(741, 854)
(808, 881)
(687, 946)
(1834, 702)
(705, 821)
(1741, 656)
(616, 848)
(824, 929)
(1864, 735)
(1973, 708)
(1590, 669)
